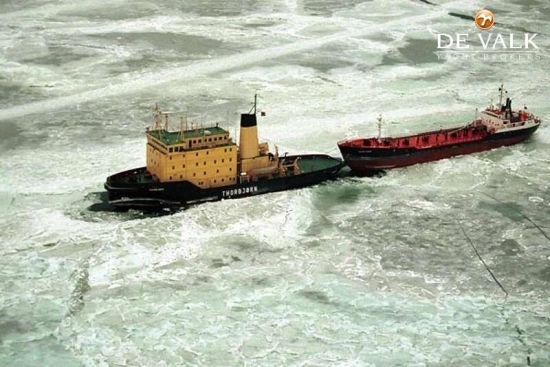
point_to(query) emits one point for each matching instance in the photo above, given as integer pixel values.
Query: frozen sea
(373, 271)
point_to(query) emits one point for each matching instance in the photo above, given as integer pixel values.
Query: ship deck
(306, 164)
(450, 136)
(314, 163)
(173, 137)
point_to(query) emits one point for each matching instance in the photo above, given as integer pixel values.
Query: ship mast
(379, 124)
(254, 105)
(157, 118)
(501, 95)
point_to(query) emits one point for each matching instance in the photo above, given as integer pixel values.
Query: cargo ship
(197, 164)
(494, 127)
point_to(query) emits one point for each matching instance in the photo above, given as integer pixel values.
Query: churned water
(373, 271)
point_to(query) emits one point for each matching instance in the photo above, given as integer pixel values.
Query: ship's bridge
(205, 156)
(190, 139)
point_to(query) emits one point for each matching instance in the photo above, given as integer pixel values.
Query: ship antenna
(157, 118)
(379, 124)
(181, 129)
(502, 91)
(254, 105)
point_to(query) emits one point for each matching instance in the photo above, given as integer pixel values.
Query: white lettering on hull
(242, 191)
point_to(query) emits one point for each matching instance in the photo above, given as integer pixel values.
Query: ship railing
(422, 133)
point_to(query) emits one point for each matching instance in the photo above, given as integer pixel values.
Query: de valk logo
(484, 19)
(506, 45)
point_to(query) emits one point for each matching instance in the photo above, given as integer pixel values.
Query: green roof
(173, 137)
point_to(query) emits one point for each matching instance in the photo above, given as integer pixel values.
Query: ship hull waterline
(367, 163)
(172, 195)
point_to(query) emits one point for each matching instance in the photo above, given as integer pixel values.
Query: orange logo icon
(484, 19)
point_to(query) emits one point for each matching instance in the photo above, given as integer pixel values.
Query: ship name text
(239, 191)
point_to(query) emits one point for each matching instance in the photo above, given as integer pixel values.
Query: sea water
(374, 271)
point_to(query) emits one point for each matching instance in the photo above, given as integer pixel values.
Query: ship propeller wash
(198, 164)
(494, 127)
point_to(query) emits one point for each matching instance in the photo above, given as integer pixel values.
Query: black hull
(365, 161)
(157, 195)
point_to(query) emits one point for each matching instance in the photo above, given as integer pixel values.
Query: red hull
(365, 160)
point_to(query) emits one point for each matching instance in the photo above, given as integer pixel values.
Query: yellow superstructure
(208, 157)
(255, 159)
